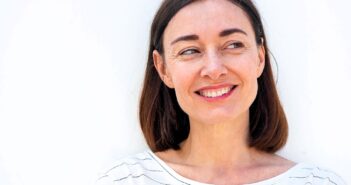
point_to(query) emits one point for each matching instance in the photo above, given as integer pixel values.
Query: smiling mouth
(214, 93)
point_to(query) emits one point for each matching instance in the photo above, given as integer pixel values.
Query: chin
(223, 116)
(218, 119)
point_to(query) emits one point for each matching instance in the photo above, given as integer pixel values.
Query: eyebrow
(185, 38)
(221, 34)
(231, 31)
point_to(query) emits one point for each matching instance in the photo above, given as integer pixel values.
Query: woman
(209, 108)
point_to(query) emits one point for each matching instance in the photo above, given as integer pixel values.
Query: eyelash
(193, 51)
(236, 45)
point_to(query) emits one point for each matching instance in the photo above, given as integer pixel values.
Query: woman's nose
(213, 67)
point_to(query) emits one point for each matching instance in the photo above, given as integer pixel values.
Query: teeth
(215, 93)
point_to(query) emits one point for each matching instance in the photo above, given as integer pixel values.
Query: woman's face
(212, 61)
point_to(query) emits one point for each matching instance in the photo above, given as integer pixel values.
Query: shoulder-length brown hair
(164, 123)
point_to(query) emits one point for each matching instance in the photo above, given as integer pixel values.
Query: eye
(235, 45)
(189, 52)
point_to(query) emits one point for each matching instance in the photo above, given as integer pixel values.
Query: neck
(218, 145)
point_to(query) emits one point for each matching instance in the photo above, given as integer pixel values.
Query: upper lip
(213, 87)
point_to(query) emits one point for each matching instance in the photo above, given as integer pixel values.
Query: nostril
(214, 71)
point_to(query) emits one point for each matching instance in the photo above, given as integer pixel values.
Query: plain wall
(71, 73)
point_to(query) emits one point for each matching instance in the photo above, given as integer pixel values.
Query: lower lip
(224, 96)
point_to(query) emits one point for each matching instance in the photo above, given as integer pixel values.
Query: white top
(146, 168)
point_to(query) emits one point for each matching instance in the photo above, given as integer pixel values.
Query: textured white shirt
(146, 168)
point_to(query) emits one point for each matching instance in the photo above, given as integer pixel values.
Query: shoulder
(136, 169)
(312, 174)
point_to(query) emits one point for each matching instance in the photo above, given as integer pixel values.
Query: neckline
(183, 179)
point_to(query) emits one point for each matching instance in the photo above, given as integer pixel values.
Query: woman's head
(208, 63)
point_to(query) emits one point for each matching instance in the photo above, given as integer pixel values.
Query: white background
(71, 72)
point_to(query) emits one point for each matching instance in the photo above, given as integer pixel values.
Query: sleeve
(335, 179)
(104, 180)
(119, 174)
(110, 180)
(329, 177)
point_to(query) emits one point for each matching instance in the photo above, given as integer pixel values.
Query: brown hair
(165, 125)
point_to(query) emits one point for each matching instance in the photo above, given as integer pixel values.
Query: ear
(161, 68)
(261, 56)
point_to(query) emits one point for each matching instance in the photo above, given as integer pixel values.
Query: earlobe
(161, 68)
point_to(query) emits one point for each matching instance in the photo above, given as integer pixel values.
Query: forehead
(206, 17)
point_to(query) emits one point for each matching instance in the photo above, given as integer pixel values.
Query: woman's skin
(212, 61)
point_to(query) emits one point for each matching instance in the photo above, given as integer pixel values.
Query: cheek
(181, 87)
(184, 79)
(182, 76)
(183, 94)
(246, 68)
(246, 71)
